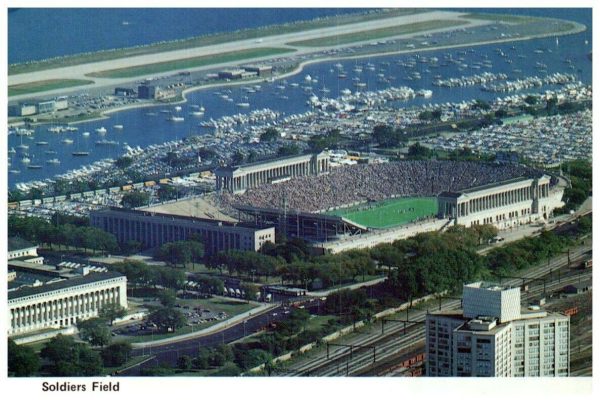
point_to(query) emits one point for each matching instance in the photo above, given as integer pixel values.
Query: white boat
(175, 119)
(23, 146)
(243, 104)
(12, 151)
(177, 108)
(14, 171)
(41, 143)
(25, 160)
(86, 134)
(101, 130)
(118, 126)
(67, 141)
(54, 161)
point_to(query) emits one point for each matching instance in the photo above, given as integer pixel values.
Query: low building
(61, 103)
(64, 303)
(153, 229)
(231, 74)
(146, 91)
(19, 248)
(22, 110)
(260, 70)
(124, 91)
(47, 106)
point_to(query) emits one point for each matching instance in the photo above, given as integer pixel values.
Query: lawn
(379, 33)
(390, 212)
(45, 85)
(188, 63)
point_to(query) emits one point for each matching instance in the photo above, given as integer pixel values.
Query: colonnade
(250, 176)
(62, 311)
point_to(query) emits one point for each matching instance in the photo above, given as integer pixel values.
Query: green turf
(389, 213)
(45, 85)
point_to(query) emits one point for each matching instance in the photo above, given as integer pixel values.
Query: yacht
(175, 119)
(80, 153)
(118, 126)
(86, 134)
(53, 161)
(41, 143)
(101, 130)
(67, 141)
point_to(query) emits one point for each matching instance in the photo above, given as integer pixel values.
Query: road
(169, 353)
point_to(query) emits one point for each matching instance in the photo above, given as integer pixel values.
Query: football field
(389, 213)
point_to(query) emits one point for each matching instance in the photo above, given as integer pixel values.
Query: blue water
(143, 129)
(40, 33)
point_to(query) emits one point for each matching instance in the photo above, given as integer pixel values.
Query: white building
(493, 337)
(26, 251)
(504, 204)
(62, 304)
(239, 178)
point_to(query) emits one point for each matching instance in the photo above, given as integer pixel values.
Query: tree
(174, 253)
(68, 358)
(250, 291)
(112, 311)
(116, 354)
(531, 99)
(417, 151)
(22, 360)
(135, 199)
(184, 362)
(288, 149)
(270, 134)
(167, 297)
(167, 319)
(94, 331)
(167, 192)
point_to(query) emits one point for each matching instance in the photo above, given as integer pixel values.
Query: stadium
(348, 205)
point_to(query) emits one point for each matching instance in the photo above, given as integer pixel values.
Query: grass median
(188, 63)
(45, 85)
(379, 33)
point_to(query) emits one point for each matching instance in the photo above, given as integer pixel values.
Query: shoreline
(300, 66)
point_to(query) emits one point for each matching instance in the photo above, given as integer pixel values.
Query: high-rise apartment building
(493, 336)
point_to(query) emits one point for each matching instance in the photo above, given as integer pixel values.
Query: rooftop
(17, 244)
(93, 277)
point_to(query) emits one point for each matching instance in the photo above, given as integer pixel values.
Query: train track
(370, 349)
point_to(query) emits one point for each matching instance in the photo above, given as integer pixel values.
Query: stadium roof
(495, 184)
(84, 280)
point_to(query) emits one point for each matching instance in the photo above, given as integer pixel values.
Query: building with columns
(239, 178)
(154, 229)
(504, 204)
(63, 304)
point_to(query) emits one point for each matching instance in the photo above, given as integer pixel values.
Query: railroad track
(369, 349)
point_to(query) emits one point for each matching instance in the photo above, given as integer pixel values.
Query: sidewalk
(263, 308)
(320, 293)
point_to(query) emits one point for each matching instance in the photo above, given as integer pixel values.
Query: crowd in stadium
(358, 183)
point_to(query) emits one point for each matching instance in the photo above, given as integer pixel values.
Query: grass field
(44, 85)
(142, 70)
(379, 33)
(390, 212)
